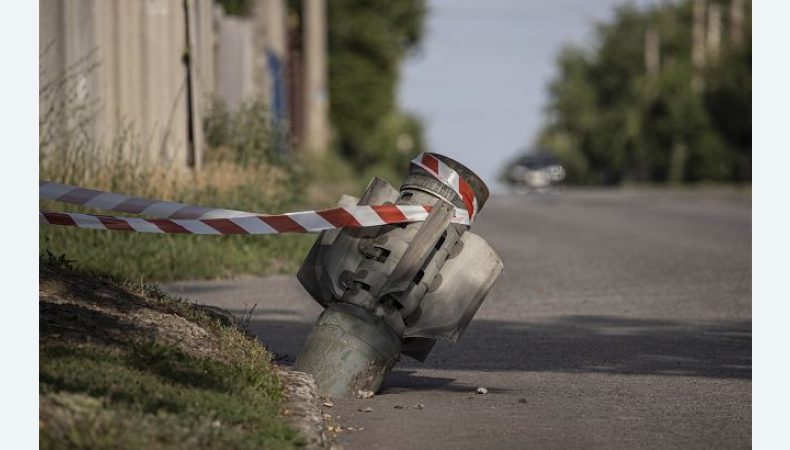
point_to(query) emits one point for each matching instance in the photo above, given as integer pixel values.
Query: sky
(480, 80)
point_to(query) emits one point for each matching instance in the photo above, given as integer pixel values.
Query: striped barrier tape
(109, 201)
(174, 217)
(295, 222)
(450, 177)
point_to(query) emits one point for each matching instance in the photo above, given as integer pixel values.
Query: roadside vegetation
(241, 171)
(662, 95)
(259, 188)
(248, 164)
(122, 365)
(367, 42)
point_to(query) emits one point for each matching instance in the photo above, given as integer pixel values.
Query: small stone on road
(364, 394)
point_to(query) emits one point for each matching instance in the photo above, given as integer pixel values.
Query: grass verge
(246, 166)
(257, 187)
(242, 170)
(122, 365)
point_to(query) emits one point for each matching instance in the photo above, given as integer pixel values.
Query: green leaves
(367, 42)
(612, 120)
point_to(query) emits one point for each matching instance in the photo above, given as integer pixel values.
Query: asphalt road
(622, 320)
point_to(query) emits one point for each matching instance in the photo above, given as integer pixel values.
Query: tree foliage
(613, 120)
(368, 40)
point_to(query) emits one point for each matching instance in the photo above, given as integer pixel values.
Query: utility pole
(652, 51)
(736, 22)
(698, 45)
(195, 126)
(315, 132)
(713, 39)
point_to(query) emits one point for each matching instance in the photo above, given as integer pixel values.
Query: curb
(302, 409)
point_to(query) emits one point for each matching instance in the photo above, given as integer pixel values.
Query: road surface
(622, 320)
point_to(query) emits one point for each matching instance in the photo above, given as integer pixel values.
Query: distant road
(622, 320)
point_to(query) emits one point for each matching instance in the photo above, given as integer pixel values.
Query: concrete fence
(158, 62)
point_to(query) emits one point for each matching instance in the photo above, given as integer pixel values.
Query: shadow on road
(604, 344)
(573, 344)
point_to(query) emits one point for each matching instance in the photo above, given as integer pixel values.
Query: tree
(619, 114)
(368, 40)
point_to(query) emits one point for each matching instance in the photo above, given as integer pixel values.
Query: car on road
(537, 171)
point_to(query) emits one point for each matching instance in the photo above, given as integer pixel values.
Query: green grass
(241, 170)
(257, 187)
(223, 405)
(146, 392)
(173, 257)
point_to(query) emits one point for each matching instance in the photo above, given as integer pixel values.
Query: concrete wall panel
(140, 81)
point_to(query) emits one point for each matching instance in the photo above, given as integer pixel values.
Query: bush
(367, 42)
(610, 121)
(245, 137)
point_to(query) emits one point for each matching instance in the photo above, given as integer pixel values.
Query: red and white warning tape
(109, 201)
(450, 177)
(295, 222)
(173, 217)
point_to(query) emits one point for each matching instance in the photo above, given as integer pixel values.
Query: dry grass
(243, 171)
(260, 187)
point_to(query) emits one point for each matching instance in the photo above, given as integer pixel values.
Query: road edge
(302, 409)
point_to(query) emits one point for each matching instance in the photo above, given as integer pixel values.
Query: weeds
(242, 173)
(243, 169)
(58, 261)
(247, 136)
(243, 323)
